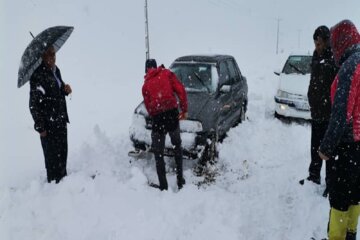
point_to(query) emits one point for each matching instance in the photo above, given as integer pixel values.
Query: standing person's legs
(55, 150)
(354, 188)
(344, 193)
(49, 149)
(317, 133)
(338, 224)
(45, 148)
(343, 224)
(354, 213)
(176, 141)
(158, 145)
(62, 152)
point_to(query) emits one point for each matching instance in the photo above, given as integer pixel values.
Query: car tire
(210, 152)
(207, 158)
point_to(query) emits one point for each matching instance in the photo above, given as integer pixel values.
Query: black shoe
(154, 185)
(326, 192)
(181, 182)
(350, 236)
(314, 179)
(163, 187)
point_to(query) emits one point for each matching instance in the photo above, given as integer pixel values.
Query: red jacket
(344, 124)
(159, 91)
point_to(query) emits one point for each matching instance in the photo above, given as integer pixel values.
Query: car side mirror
(277, 72)
(225, 88)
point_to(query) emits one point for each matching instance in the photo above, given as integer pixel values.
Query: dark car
(217, 100)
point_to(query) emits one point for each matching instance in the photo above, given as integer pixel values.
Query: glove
(183, 115)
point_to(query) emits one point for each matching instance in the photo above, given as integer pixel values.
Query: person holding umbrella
(47, 97)
(48, 109)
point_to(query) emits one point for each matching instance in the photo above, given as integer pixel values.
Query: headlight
(138, 120)
(282, 94)
(190, 126)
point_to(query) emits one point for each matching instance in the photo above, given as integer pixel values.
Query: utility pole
(147, 48)
(277, 35)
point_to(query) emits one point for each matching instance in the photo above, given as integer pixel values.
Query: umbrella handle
(31, 34)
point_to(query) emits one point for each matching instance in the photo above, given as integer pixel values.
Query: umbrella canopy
(31, 58)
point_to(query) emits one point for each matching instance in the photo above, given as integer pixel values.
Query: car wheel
(210, 152)
(204, 167)
(278, 116)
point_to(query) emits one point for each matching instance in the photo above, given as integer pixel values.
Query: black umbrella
(31, 58)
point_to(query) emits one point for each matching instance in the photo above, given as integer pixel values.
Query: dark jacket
(323, 72)
(160, 89)
(47, 100)
(344, 125)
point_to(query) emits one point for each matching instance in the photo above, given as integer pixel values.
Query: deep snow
(256, 194)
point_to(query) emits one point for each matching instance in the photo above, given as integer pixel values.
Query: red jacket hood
(153, 72)
(343, 36)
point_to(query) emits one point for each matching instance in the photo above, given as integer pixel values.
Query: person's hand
(183, 115)
(67, 89)
(43, 134)
(323, 156)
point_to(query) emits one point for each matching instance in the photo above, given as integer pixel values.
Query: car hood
(197, 104)
(294, 83)
(201, 108)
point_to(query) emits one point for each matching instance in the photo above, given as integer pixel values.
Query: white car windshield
(200, 77)
(298, 65)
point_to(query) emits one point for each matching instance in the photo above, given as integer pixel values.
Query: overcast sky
(112, 32)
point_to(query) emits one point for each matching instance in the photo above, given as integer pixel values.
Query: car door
(238, 89)
(225, 99)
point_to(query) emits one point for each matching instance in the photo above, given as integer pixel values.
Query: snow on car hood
(200, 108)
(294, 83)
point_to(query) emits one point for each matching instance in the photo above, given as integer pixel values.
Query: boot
(314, 179)
(179, 167)
(163, 185)
(160, 169)
(181, 182)
(350, 236)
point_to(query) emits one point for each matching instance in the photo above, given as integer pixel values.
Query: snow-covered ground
(256, 194)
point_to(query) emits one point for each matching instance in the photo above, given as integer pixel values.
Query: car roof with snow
(300, 54)
(204, 58)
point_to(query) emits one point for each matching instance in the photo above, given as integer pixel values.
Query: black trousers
(318, 129)
(158, 135)
(55, 148)
(345, 190)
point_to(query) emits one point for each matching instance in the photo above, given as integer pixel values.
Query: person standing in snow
(323, 72)
(343, 133)
(48, 109)
(159, 89)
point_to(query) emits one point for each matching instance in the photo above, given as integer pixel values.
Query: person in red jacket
(342, 137)
(160, 89)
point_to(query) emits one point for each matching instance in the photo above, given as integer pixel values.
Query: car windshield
(298, 65)
(199, 77)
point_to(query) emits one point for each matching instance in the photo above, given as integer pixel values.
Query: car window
(234, 76)
(196, 76)
(224, 73)
(298, 65)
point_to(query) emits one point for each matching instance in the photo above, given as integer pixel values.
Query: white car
(291, 97)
